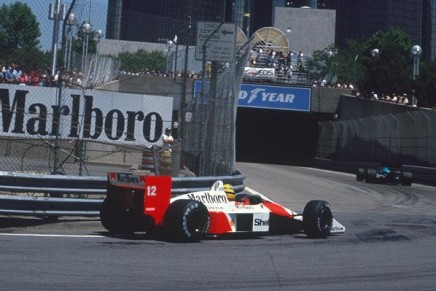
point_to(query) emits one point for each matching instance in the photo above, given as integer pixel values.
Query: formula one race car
(144, 203)
(384, 174)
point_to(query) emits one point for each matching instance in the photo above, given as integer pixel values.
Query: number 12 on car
(157, 195)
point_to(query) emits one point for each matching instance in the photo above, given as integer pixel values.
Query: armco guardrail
(59, 184)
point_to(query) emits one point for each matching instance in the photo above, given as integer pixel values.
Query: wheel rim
(196, 223)
(325, 220)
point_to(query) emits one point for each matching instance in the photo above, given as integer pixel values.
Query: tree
(321, 65)
(425, 84)
(388, 71)
(19, 36)
(142, 61)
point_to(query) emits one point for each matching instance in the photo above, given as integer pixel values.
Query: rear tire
(370, 175)
(317, 219)
(186, 221)
(360, 175)
(406, 179)
(115, 219)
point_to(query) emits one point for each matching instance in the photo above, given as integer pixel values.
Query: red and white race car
(144, 203)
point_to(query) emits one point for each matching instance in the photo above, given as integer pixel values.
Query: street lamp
(86, 30)
(374, 53)
(330, 55)
(56, 13)
(98, 35)
(247, 16)
(71, 21)
(170, 45)
(416, 53)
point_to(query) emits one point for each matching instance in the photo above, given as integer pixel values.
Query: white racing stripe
(50, 235)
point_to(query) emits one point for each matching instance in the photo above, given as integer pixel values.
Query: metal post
(416, 53)
(56, 14)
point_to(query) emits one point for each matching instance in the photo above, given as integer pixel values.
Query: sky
(93, 10)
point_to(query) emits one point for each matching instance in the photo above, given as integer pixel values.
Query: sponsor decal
(35, 112)
(268, 97)
(251, 73)
(208, 198)
(260, 222)
(127, 178)
(274, 97)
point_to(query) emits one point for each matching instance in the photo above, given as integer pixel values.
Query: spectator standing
(404, 100)
(11, 74)
(300, 57)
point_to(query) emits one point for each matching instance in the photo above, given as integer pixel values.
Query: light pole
(289, 30)
(374, 53)
(247, 16)
(170, 45)
(86, 30)
(330, 55)
(416, 53)
(56, 14)
(98, 35)
(71, 21)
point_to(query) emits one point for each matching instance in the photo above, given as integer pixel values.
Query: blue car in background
(384, 174)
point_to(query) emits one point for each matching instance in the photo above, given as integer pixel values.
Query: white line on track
(51, 235)
(329, 171)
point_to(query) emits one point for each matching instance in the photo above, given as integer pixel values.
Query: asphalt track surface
(390, 243)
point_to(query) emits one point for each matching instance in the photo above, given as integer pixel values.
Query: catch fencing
(400, 138)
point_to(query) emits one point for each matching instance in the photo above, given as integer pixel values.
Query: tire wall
(375, 131)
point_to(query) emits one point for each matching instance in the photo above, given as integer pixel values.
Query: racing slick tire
(406, 179)
(360, 175)
(370, 175)
(317, 219)
(186, 221)
(115, 219)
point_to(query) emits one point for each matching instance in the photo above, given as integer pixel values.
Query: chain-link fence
(402, 138)
(60, 124)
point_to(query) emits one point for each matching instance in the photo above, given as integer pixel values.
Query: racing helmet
(230, 192)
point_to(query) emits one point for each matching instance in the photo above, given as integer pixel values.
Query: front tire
(317, 219)
(186, 221)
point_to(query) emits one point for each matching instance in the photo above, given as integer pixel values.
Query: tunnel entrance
(276, 136)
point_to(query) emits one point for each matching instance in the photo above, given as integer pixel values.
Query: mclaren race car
(144, 203)
(384, 174)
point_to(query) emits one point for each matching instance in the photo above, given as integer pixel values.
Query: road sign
(219, 40)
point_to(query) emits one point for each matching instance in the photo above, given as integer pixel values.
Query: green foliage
(19, 35)
(426, 85)
(390, 71)
(322, 65)
(143, 61)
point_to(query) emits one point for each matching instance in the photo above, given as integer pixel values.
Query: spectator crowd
(13, 74)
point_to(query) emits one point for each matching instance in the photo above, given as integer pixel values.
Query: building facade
(158, 21)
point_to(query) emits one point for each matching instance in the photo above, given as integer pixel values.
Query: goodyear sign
(269, 97)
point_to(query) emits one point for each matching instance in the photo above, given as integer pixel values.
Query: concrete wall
(326, 100)
(350, 107)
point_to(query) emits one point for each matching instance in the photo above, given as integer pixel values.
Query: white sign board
(132, 119)
(218, 41)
